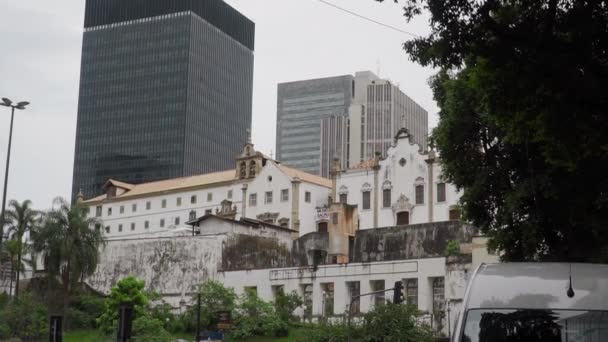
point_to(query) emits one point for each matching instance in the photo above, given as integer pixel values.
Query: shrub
(148, 329)
(214, 297)
(127, 290)
(285, 305)
(255, 317)
(24, 318)
(83, 311)
(452, 248)
(386, 323)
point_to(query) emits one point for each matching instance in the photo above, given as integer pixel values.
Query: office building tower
(301, 108)
(345, 117)
(379, 109)
(165, 90)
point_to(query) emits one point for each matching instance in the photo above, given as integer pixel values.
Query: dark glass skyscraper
(165, 90)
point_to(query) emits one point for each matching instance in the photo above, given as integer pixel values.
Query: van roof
(539, 286)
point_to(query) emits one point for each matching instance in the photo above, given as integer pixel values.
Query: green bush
(83, 312)
(452, 248)
(214, 297)
(285, 305)
(24, 318)
(386, 323)
(255, 317)
(148, 329)
(145, 328)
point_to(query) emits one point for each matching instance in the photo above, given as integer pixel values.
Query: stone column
(295, 204)
(244, 201)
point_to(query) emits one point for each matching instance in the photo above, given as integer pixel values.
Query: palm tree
(69, 243)
(21, 219)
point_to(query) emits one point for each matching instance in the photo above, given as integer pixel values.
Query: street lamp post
(20, 105)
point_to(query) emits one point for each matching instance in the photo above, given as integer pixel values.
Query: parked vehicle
(535, 302)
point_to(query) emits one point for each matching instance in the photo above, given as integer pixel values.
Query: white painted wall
(293, 279)
(402, 181)
(270, 178)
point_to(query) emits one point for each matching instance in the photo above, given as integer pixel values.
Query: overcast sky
(295, 40)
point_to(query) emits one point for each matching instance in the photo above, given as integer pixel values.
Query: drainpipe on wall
(295, 204)
(244, 201)
(376, 168)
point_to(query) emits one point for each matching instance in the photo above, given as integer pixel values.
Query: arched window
(251, 169)
(243, 170)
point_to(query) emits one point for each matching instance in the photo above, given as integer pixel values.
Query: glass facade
(310, 115)
(153, 87)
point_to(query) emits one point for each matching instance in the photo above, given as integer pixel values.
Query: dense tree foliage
(21, 219)
(523, 104)
(68, 243)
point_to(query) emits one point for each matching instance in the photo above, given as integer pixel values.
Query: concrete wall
(171, 266)
(408, 242)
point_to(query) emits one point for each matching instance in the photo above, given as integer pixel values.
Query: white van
(535, 302)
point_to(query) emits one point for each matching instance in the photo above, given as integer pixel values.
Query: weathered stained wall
(408, 242)
(303, 247)
(172, 266)
(244, 252)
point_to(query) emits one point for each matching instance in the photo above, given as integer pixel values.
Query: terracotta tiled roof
(119, 184)
(305, 176)
(173, 184)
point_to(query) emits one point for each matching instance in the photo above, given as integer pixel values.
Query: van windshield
(498, 325)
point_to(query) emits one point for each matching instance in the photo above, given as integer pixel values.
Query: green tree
(214, 297)
(255, 317)
(285, 304)
(21, 219)
(522, 127)
(69, 243)
(128, 290)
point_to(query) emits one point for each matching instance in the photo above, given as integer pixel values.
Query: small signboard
(224, 320)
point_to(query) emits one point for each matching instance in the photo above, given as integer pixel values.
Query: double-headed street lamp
(20, 105)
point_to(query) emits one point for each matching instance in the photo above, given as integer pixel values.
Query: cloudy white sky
(295, 40)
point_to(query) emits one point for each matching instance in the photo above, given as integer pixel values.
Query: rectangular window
(193, 199)
(134, 207)
(162, 223)
(132, 226)
(177, 221)
(284, 195)
(122, 209)
(107, 229)
(253, 200)
(411, 292)
(208, 212)
(343, 198)
(328, 289)
(354, 289)
(440, 192)
(438, 295)
(209, 197)
(163, 203)
(366, 199)
(334, 218)
(379, 298)
(147, 224)
(98, 211)
(386, 198)
(419, 194)
(307, 197)
(148, 205)
(229, 194)
(178, 201)
(120, 228)
(268, 197)
(251, 290)
(109, 211)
